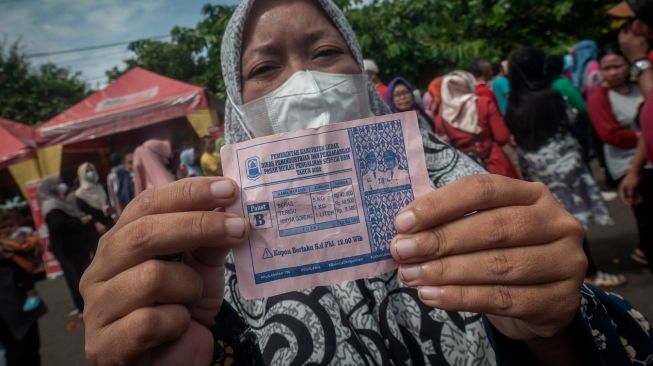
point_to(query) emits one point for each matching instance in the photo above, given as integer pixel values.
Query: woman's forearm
(646, 82)
(640, 159)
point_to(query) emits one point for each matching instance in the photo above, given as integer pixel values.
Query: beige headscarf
(89, 191)
(459, 98)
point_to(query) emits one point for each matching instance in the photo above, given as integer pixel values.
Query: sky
(55, 25)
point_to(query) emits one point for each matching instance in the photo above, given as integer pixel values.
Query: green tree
(422, 38)
(35, 94)
(417, 39)
(192, 55)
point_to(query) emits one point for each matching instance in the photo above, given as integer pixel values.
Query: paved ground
(611, 246)
(59, 346)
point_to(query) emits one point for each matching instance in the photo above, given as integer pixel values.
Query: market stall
(124, 114)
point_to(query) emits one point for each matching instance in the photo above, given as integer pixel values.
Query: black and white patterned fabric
(559, 165)
(376, 321)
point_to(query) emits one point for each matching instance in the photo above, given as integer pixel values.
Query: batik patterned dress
(558, 164)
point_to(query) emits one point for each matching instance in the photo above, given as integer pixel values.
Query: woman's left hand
(498, 246)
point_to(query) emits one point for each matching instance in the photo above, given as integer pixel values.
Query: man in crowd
(483, 73)
(125, 178)
(210, 160)
(115, 160)
(372, 71)
(501, 87)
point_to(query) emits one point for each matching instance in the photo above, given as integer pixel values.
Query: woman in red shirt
(613, 109)
(474, 124)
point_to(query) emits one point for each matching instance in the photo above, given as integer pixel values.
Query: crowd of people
(535, 117)
(555, 114)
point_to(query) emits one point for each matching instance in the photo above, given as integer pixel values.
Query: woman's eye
(328, 52)
(261, 70)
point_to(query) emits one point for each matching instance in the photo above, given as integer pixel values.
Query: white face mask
(62, 188)
(309, 99)
(91, 176)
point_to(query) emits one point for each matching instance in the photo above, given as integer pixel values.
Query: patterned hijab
(442, 161)
(313, 320)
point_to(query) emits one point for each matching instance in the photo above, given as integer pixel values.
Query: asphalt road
(611, 247)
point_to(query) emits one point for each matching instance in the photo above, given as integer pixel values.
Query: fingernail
(235, 227)
(405, 221)
(430, 293)
(410, 273)
(222, 189)
(406, 248)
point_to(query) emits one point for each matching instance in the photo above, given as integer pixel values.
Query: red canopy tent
(21, 131)
(17, 142)
(137, 99)
(17, 148)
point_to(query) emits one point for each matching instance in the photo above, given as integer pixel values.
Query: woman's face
(615, 70)
(282, 37)
(402, 97)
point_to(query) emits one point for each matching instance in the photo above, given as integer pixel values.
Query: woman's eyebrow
(316, 35)
(268, 48)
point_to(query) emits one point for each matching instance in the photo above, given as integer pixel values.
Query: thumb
(209, 264)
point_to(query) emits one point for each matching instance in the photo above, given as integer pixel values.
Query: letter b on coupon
(260, 220)
(259, 215)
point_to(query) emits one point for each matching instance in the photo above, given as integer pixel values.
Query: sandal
(639, 257)
(602, 279)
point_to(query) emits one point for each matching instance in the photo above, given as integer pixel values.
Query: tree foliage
(192, 54)
(420, 39)
(417, 39)
(35, 94)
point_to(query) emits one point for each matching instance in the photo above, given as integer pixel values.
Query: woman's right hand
(629, 189)
(142, 310)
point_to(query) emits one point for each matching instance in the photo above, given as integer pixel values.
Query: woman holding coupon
(510, 290)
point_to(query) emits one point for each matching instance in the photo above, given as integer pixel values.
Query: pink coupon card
(321, 202)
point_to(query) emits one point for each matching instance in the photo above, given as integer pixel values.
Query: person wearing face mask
(91, 198)
(71, 233)
(506, 291)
